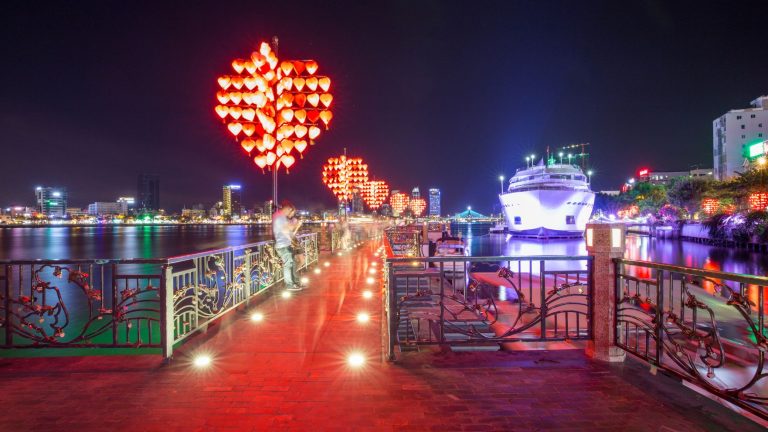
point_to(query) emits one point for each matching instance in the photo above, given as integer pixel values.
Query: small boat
(451, 247)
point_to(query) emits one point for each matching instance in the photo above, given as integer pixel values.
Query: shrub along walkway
(289, 372)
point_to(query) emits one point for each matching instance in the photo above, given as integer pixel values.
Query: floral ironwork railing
(153, 303)
(705, 327)
(482, 300)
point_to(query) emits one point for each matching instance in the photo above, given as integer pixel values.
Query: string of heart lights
(274, 107)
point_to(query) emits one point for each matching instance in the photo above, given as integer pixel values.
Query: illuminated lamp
(313, 99)
(235, 112)
(202, 361)
(222, 111)
(257, 317)
(367, 294)
(355, 360)
(311, 66)
(758, 201)
(285, 294)
(363, 317)
(312, 83)
(224, 82)
(235, 128)
(299, 83)
(248, 144)
(710, 205)
(324, 83)
(238, 65)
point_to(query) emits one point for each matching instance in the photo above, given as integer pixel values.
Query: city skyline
(622, 77)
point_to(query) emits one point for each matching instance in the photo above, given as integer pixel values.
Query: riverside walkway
(290, 372)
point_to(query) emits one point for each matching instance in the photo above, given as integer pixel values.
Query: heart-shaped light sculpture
(399, 203)
(263, 95)
(343, 175)
(375, 193)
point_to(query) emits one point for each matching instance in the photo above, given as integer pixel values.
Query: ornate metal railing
(403, 241)
(487, 300)
(705, 327)
(153, 303)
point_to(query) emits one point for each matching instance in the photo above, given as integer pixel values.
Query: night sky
(431, 93)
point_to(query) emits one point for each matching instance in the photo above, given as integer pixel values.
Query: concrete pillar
(605, 241)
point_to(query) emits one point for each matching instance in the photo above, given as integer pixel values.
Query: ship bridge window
(518, 220)
(570, 220)
(580, 177)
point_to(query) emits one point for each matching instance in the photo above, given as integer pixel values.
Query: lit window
(518, 220)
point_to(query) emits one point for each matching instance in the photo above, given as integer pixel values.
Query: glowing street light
(561, 157)
(570, 155)
(589, 176)
(202, 361)
(527, 161)
(501, 182)
(356, 360)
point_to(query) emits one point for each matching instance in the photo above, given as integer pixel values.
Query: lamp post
(501, 182)
(561, 157)
(589, 176)
(569, 158)
(533, 159)
(527, 161)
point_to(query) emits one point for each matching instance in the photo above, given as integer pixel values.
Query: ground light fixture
(202, 361)
(326, 264)
(355, 359)
(286, 294)
(363, 317)
(374, 263)
(317, 271)
(370, 280)
(338, 253)
(372, 271)
(257, 317)
(367, 294)
(304, 280)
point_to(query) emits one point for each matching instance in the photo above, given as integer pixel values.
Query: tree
(687, 192)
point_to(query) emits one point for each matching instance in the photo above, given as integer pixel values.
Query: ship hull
(547, 213)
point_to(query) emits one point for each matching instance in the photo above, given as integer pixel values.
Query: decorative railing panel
(487, 300)
(705, 327)
(133, 303)
(79, 304)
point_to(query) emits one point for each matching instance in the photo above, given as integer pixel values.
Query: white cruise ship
(548, 201)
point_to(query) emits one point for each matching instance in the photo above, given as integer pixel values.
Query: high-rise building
(415, 193)
(232, 200)
(739, 137)
(128, 205)
(51, 202)
(106, 209)
(357, 202)
(148, 192)
(434, 202)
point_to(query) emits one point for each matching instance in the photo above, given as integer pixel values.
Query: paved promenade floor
(289, 372)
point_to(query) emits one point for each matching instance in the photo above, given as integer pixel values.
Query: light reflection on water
(688, 254)
(113, 242)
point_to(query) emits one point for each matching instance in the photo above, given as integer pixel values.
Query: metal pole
(275, 44)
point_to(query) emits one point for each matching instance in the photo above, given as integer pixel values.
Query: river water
(156, 241)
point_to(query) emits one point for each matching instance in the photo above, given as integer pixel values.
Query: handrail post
(605, 242)
(391, 306)
(166, 312)
(247, 276)
(659, 315)
(7, 305)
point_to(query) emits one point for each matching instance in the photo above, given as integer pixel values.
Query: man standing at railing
(284, 229)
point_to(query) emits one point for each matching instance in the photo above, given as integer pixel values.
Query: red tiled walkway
(289, 373)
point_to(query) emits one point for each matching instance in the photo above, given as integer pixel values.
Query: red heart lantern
(311, 66)
(300, 145)
(237, 82)
(288, 161)
(248, 144)
(238, 65)
(299, 83)
(300, 130)
(249, 128)
(300, 115)
(261, 161)
(326, 99)
(313, 115)
(312, 83)
(222, 96)
(324, 83)
(313, 99)
(235, 128)
(235, 112)
(314, 131)
(235, 97)
(224, 82)
(298, 66)
(222, 111)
